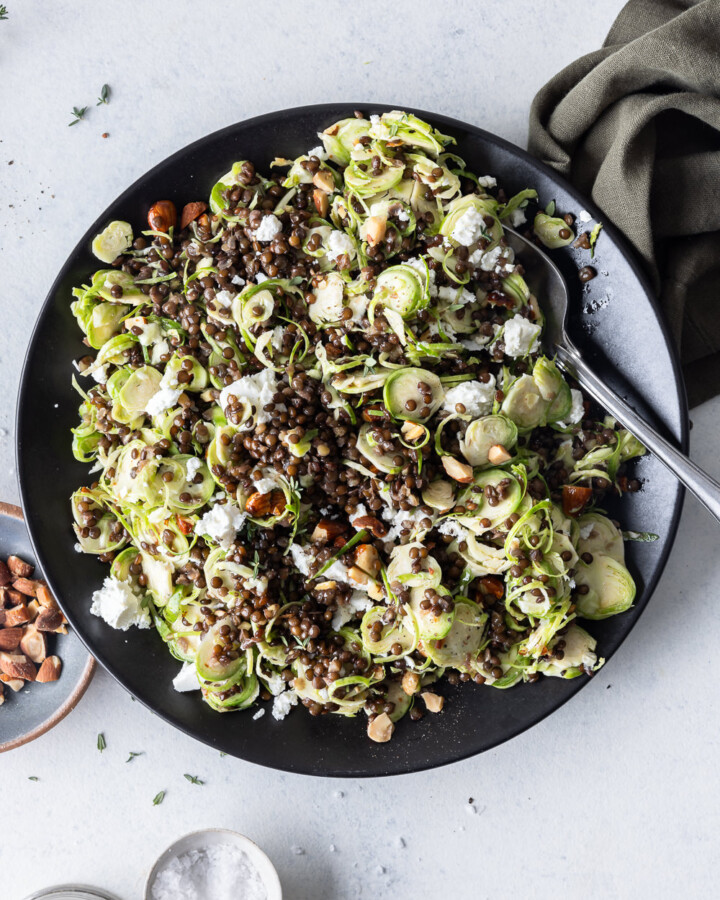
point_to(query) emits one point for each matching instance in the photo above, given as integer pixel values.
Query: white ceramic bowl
(199, 840)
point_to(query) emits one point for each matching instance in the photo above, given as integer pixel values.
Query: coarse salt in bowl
(215, 863)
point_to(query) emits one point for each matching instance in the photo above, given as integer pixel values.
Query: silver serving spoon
(548, 285)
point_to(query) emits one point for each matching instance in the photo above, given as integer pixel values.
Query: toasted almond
(17, 615)
(324, 181)
(49, 670)
(5, 574)
(434, 702)
(366, 558)
(19, 567)
(10, 638)
(373, 524)
(33, 644)
(459, 471)
(412, 431)
(411, 683)
(17, 665)
(498, 455)
(49, 620)
(162, 215)
(326, 586)
(2, 695)
(325, 530)
(26, 586)
(190, 212)
(322, 204)
(15, 684)
(375, 591)
(375, 229)
(3, 616)
(357, 575)
(44, 597)
(33, 608)
(381, 728)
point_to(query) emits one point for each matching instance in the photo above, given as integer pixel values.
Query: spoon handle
(705, 488)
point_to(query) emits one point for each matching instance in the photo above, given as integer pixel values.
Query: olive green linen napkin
(636, 126)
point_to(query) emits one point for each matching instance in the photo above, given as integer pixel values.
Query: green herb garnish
(193, 779)
(101, 745)
(158, 798)
(30, 777)
(3, 12)
(133, 755)
(594, 235)
(104, 95)
(78, 113)
(255, 565)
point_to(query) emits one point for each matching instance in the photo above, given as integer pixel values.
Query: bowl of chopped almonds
(44, 668)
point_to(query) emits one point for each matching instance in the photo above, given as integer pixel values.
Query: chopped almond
(412, 431)
(17, 665)
(366, 558)
(49, 670)
(10, 638)
(324, 181)
(381, 729)
(17, 615)
(357, 575)
(44, 597)
(5, 574)
(49, 620)
(26, 586)
(15, 684)
(320, 199)
(325, 530)
(375, 229)
(459, 471)
(33, 644)
(434, 702)
(498, 455)
(575, 498)
(19, 567)
(411, 683)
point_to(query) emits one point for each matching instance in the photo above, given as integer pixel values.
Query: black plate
(35, 709)
(626, 329)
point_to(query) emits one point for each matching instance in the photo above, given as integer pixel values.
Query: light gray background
(616, 795)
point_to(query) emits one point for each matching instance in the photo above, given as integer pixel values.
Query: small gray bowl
(200, 840)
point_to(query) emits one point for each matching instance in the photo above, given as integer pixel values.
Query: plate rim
(86, 676)
(630, 256)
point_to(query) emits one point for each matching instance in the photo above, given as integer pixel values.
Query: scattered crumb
(298, 851)
(333, 848)
(380, 870)
(339, 795)
(11, 162)
(401, 843)
(261, 712)
(471, 799)
(105, 134)
(471, 809)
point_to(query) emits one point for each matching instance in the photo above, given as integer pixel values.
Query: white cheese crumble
(319, 152)
(584, 216)
(259, 278)
(283, 703)
(479, 342)
(520, 336)
(118, 605)
(400, 518)
(186, 679)
(357, 603)
(224, 299)
(256, 390)
(301, 558)
(221, 524)
(359, 512)
(236, 279)
(577, 410)
(162, 400)
(160, 349)
(468, 228)
(265, 485)
(487, 181)
(100, 374)
(277, 337)
(337, 244)
(454, 295)
(487, 261)
(517, 217)
(476, 396)
(259, 714)
(192, 467)
(378, 129)
(586, 530)
(268, 228)
(452, 528)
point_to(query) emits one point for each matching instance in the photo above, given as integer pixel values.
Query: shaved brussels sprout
(611, 589)
(114, 240)
(553, 233)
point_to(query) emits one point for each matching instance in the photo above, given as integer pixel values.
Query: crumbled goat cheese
(100, 374)
(268, 228)
(476, 396)
(468, 228)
(256, 390)
(400, 520)
(186, 679)
(452, 528)
(337, 244)
(236, 279)
(355, 606)
(319, 152)
(479, 342)
(577, 410)
(160, 349)
(118, 605)
(221, 871)
(277, 337)
(276, 684)
(265, 485)
(487, 181)
(359, 512)
(283, 703)
(221, 524)
(453, 295)
(378, 129)
(586, 530)
(259, 714)
(192, 467)
(489, 260)
(224, 299)
(517, 217)
(259, 278)
(301, 558)
(520, 336)
(584, 216)
(162, 400)
(358, 304)
(402, 215)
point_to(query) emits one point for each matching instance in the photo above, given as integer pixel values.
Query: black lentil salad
(334, 464)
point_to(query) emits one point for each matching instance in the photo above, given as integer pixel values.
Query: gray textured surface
(614, 796)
